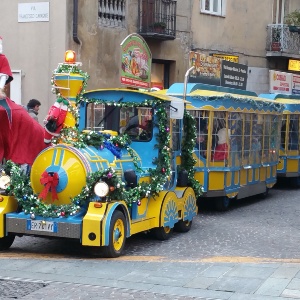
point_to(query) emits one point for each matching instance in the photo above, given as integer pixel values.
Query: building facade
(37, 33)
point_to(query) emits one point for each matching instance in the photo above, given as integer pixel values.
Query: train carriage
(241, 133)
(289, 155)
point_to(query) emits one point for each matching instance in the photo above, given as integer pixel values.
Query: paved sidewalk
(148, 278)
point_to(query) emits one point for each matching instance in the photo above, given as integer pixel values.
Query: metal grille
(65, 230)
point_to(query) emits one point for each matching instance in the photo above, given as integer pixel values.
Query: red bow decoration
(50, 182)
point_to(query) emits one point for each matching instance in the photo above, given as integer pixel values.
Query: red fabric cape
(21, 137)
(5, 68)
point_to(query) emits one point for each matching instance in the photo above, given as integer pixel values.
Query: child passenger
(221, 151)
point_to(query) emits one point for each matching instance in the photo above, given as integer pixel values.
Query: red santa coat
(5, 68)
(21, 137)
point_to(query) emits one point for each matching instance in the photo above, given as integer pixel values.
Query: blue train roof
(291, 102)
(178, 89)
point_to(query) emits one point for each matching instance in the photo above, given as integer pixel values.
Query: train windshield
(134, 121)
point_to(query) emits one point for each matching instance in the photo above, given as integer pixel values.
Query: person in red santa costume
(21, 137)
(55, 119)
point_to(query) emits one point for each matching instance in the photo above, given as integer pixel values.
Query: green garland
(188, 145)
(31, 204)
(20, 184)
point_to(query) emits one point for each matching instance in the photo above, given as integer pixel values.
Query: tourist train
(125, 161)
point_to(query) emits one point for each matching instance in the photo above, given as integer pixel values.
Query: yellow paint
(236, 177)
(280, 165)
(71, 164)
(228, 176)
(216, 181)
(243, 179)
(91, 223)
(9, 204)
(263, 173)
(256, 176)
(70, 87)
(292, 165)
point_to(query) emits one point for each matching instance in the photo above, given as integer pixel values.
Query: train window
(136, 122)
(247, 138)
(267, 129)
(95, 113)
(235, 123)
(274, 138)
(220, 135)
(283, 132)
(294, 133)
(256, 139)
(201, 118)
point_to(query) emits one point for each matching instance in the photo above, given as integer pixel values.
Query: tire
(162, 233)
(6, 242)
(117, 236)
(183, 226)
(222, 203)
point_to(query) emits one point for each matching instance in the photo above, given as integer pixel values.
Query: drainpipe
(185, 81)
(75, 22)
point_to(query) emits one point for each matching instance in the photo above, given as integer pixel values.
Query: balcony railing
(157, 19)
(282, 40)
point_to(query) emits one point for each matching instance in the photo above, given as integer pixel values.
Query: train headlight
(4, 182)
(101, 189)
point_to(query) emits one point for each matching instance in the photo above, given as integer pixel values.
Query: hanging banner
(280, 82)
(136, 60)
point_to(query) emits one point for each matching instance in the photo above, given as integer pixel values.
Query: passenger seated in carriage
(221, 151)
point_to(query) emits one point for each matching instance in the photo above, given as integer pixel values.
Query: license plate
(39, 225)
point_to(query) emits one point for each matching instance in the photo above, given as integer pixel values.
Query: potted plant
(159, 27)
(293, 21)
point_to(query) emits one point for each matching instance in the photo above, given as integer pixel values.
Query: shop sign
(296, 84)
(207, 68)
(294, 65)
(234, 75)
(136, 60)
(280, 82)
(232, 58)
(216, 71)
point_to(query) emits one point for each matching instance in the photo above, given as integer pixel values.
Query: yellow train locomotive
(114, 175)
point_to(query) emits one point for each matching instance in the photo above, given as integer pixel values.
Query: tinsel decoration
(187, 149)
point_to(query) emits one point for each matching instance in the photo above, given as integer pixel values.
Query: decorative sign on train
(136, 62)
(214, 70)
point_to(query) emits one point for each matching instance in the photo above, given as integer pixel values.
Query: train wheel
(162, 233)
(183, 226)
(222, 203)
(6, 242)
(117, 236)
(168, 217)
(190, 210)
